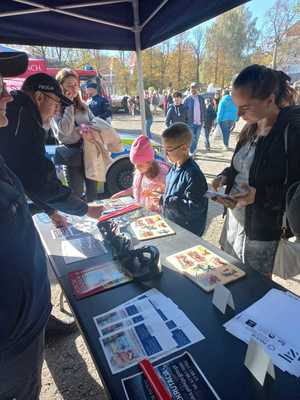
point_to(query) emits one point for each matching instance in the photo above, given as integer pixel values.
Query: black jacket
(24, 286)
(267, 174)
(210, 115)
(22, 145)
(176, 114)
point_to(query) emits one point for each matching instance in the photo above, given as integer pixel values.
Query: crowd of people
(203, 113)
(264, 166)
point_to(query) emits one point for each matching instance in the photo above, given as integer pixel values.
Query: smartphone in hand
(210, 194)
(221, 198)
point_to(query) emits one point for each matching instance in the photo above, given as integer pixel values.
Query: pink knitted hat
(141, 151)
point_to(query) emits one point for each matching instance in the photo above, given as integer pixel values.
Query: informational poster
(81, 248)
(204, 267)
(150, 325)
(126, 347)
(77, 226)
(181, 376)
(87, 282)
(151, 227)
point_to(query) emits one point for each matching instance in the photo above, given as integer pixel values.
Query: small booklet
(87, 282)
(115, 204)
(204, 267)
(118, 212)
(151, 227)
(181, 376)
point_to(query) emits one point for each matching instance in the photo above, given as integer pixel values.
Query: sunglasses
(174, 148)
(56, 101)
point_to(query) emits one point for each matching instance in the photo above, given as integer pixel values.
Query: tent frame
(137, 28)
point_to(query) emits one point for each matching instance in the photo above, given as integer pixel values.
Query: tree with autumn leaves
(214, 54)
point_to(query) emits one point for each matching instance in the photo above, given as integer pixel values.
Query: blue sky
(258, 9)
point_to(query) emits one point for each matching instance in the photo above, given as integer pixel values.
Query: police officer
(99, 105)
(24, 287)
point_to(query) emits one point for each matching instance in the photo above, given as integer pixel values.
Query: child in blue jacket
(183, 200)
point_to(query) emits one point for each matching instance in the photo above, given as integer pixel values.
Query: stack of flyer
(148, 326)
(274, 322)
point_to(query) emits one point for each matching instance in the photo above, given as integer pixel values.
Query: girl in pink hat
(149, 176)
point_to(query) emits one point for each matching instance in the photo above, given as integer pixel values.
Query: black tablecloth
(220, 356)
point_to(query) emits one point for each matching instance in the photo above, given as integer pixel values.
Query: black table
(220, 355)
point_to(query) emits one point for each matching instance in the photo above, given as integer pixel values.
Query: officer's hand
(59, 220)
(94, 211)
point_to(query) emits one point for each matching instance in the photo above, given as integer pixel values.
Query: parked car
(120, 173)
(119, 103)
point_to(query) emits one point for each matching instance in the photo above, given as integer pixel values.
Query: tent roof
(106, 24)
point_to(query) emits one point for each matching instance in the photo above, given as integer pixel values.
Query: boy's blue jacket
(183, 200)
(227, 110)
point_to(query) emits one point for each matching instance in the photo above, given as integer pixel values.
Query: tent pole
(137, 35)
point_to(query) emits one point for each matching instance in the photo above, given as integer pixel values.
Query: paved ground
(68, 371)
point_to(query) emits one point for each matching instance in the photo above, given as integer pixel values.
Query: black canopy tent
(107, 24)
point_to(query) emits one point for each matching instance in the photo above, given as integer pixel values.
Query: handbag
(287, 258)
(217, 133)
(68, 155)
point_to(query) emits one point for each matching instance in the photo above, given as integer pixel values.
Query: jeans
(207, 129)
(226, 127)
(149, 122)
(20, 376)
(76, 178)
(196, 130)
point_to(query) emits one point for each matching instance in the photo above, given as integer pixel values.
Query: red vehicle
(36, 65)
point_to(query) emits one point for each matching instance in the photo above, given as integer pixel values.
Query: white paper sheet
(274, 322)
(81, 248)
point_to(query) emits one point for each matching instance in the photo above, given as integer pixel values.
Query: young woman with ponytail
(256, 177)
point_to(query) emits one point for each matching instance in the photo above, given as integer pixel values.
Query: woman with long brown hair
(260, 165)
(66, 128)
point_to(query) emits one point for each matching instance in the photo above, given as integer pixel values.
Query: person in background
(177, 111)
(226, 117)
(216, 100)
(210, 117)
(98, 105)
(148, 115)
(255, 179)
(131, 105)
(196, 110)
(137, 104)
(66, 128)
(165, 102)
(149, 176)
(154, 101)
(183, 200)
(169, 97)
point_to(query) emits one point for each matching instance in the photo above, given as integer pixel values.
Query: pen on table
(154, 380)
